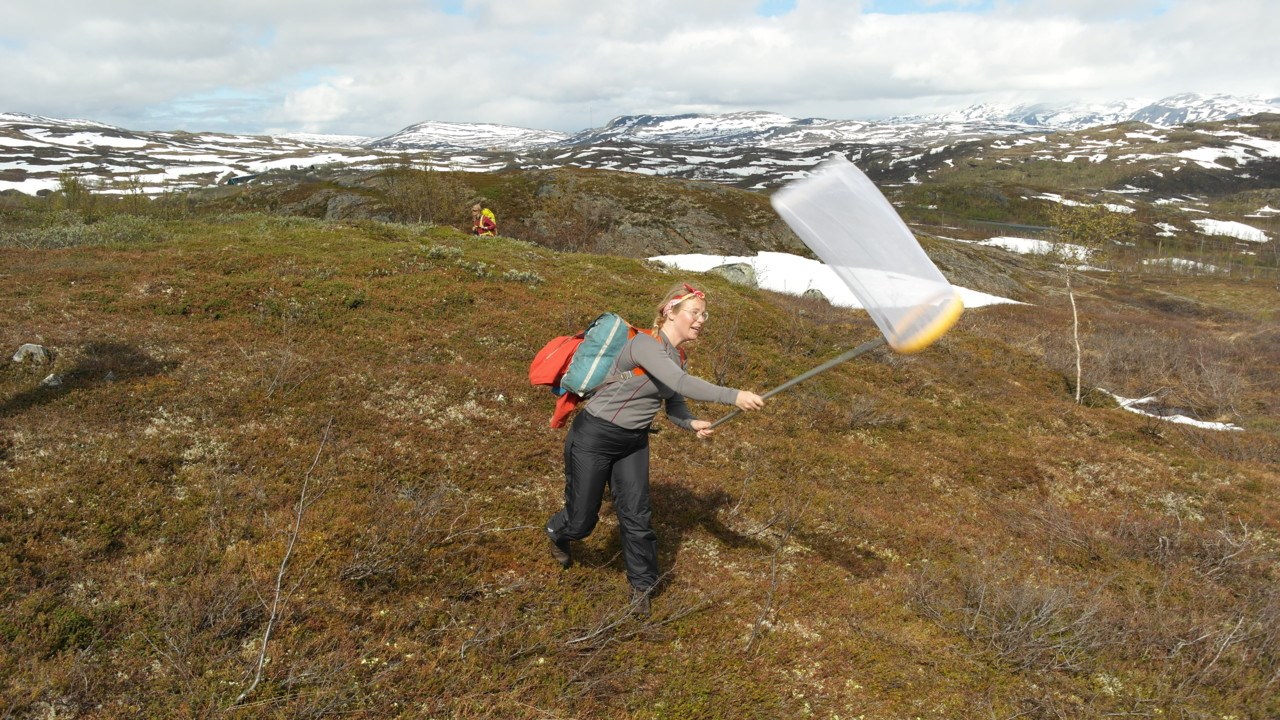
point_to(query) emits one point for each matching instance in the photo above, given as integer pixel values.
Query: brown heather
(294, 469)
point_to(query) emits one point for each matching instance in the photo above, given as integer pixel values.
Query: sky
(374, 67)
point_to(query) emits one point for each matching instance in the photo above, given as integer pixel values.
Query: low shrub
(65, 230)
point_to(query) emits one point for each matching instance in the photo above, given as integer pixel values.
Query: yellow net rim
(927, 335)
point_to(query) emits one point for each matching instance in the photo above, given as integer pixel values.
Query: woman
(483, 222)
(609, 439)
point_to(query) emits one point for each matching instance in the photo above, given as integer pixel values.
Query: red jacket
(485, 224)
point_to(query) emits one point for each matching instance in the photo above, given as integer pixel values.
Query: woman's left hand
(703, 427)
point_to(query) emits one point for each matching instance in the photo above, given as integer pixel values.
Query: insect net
(850, 226)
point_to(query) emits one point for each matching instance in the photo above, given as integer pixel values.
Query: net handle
(860, 350)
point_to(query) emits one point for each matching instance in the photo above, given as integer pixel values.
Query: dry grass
(942, 535)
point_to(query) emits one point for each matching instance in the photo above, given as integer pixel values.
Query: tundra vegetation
(291, 467)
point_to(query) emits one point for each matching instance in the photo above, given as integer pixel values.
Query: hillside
(1199, 196)
(564, 208)
(936, 536)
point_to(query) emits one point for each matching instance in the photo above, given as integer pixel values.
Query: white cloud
(374, 67)
(313, 108)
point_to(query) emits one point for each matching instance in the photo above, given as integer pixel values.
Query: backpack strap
(637, 370)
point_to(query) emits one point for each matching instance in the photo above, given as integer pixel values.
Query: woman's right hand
(748, 400)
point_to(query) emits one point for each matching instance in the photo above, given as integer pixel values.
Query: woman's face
(686, 320)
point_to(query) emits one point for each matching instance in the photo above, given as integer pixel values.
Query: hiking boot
(640, 602)
(560, 551)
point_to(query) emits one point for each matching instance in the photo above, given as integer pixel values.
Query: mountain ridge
(751, 150)
(774, 130)
(1169, 111)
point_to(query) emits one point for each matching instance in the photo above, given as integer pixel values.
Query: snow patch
(1133, 406)
(1230, 228)
(1208, 158)
(15, 142)
(86, 139)
(1030, 246)
(1183, 264)
(30, 186)
(793, 275)
(1059, 199)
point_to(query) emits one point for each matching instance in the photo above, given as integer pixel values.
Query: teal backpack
(574, 365)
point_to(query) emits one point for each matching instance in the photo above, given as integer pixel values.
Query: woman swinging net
(608, 441)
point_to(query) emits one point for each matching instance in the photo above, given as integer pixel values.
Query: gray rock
(346, 206)
(35, 352)
(52, 381)
(737, 273)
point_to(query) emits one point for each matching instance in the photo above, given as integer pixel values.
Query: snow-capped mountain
(466, 136)
(7, 117)
(1167, 112)
(779, 132)
(773, 131)
(740, 128)
(757, 150)
(1075, 116)
(1189, 108)
(35, 151)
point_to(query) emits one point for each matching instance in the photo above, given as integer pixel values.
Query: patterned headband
(690, 292)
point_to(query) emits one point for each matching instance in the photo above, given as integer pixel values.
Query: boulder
(348, 206)
(737, 273)
(37, 353)
(814, 294)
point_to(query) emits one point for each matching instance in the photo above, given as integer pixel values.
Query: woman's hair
(680, 293)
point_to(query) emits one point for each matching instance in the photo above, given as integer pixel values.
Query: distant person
(483, 222)
(608, 441)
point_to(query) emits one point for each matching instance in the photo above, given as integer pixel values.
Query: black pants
(595, 452)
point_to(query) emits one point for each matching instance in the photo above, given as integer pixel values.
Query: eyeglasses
(701, 315)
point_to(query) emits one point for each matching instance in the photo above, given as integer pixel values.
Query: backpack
(574, 365)
(486, 225)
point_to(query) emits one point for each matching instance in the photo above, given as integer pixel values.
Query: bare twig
(1233, 637)
(279, 598)
(774, 581)
(480, 530)
(607, 634)
(600, 630)
(180, 667)
(1075, 332)
(610, 623)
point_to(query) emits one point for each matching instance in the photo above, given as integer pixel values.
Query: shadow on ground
(679, 510)
(96, 364)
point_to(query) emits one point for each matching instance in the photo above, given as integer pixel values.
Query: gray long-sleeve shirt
(634, 401)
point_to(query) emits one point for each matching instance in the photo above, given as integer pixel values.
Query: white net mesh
(850, 225)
